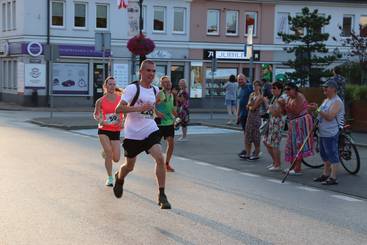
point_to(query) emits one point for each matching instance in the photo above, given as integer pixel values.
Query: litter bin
(34, 97)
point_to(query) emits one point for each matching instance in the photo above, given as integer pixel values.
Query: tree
(357, 45)
(307, 44)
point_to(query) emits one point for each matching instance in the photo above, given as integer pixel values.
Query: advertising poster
(70, 78)
(133, 13)
(121, 75)
(35, 76)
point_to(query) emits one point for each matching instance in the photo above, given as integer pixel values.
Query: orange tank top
(111, 120)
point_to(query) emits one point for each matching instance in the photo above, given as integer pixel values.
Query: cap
(330, 83)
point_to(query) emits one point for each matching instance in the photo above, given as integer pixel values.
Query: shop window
(231, 23)
(214, 87)
(347, 25)
(80, 15)
(363, 26)
(179, 16)
(57, 14)
(160, 70)
(159, 19)
(213, 22)
(196, 80)
(251, 19)
(102, 17)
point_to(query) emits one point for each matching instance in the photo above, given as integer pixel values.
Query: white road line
(307, 188)
(224, 168)
(250, 175)
(202, 163)
(276, 181)
(346, 198)
(182, 158)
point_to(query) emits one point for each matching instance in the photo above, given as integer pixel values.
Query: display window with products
(215, 82)
(196, 80)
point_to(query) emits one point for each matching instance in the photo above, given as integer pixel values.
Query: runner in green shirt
(166, 112)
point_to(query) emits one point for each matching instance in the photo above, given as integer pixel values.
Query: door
(177, 73)
(98, 80)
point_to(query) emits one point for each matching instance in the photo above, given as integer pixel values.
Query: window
(14, 75)
(363, 26)
(213, 22)
(159, 19)
(57, 14)
(13, 14)
(179, 20)
(101, 17)
(347, 25)
(251, 19)
(80, 15)
(231, 22)
(3, 19)
(144, 17)
(8, 16)
(282, 23)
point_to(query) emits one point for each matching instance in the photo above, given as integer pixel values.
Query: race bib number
(111, 118)
(147, 114)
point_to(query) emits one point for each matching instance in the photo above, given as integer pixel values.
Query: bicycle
(348, 152)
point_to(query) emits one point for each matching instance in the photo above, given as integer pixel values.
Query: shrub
(355, 92)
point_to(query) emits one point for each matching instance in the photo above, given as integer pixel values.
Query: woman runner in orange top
(109, 125)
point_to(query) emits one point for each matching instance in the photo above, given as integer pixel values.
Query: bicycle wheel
(314, 161)
(348, 154)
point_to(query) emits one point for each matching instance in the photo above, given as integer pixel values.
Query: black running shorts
(112, 135)
(132, 148)
(167, 131)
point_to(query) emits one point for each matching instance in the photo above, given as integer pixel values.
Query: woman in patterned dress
(252, 129)
(183, 108)
(299, 125)
(273, 134)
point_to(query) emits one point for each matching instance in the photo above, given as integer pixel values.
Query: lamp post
(142, 57)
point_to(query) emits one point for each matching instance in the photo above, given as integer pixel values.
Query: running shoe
(118, 187)
(294, 173)
(163, 202)
(274, 169)
(109, 181)
(169, 168)
(253, 158)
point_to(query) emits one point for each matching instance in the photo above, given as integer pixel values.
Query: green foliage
(352, 72)
(309, 48)
(355, 92)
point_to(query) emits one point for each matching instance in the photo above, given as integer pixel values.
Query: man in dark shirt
(246, 89)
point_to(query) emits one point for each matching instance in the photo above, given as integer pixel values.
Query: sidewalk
(217, 118)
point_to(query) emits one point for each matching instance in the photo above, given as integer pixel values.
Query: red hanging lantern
(140, 45)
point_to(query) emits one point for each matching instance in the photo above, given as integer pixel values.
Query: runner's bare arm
(123, 107)
(97, 110)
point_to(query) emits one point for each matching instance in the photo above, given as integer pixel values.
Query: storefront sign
(35, 76)
(34, 49)
(228, 54)
(159, 54)
(80, 50)
(121, 75)
(70, 78)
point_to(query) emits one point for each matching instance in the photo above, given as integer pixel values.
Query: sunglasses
(150, 70)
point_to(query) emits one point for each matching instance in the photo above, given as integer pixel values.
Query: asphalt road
(52, 192)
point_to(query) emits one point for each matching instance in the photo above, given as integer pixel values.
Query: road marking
(307, 188)
(224, 168)
(346, 198)
(250, 175)
(182, 158)
(202, 163)
(276, 181)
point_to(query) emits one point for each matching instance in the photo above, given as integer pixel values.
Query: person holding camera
(166, 113)
(273, 132)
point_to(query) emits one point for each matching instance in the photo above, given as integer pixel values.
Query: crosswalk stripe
(346, 198)
(307, 188)
(250, 175)
(223, 168)
(202, 163)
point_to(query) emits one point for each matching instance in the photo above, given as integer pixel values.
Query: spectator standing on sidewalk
(300, 123)
(109, 126)
(166, 113)
(245, 89)
(141, 131)
(230, 99)
(331, 119)
(252, 130)
(340, 81)
(273, 134)
(183, 108)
